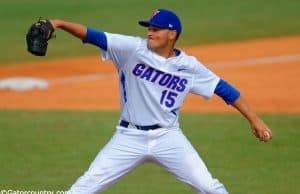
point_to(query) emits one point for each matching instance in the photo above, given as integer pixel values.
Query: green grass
(48, 150)
(204, 22)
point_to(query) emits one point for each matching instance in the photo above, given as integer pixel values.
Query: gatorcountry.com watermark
(10, 191)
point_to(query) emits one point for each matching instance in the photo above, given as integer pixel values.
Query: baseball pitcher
(154, 79)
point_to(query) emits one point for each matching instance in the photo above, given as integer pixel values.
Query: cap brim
(144, 23)
(148, 23)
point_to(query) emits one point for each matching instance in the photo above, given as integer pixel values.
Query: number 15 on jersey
(168, 98)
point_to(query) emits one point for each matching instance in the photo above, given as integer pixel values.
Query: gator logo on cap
(155, 12)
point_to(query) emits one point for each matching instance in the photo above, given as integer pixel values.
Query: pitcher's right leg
(121, 155)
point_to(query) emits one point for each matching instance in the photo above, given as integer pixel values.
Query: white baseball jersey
(153, 88)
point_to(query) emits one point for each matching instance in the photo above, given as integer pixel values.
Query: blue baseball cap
(164, 19)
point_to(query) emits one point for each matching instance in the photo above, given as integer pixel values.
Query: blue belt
(144, 128)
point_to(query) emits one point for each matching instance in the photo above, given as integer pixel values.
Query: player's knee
(213, 191)
(215, 187)
(86, 184)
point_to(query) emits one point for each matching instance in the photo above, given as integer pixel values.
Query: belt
(144, 128)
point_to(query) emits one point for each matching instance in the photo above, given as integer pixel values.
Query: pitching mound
(266, 72)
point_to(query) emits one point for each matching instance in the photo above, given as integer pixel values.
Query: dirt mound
(266, 72)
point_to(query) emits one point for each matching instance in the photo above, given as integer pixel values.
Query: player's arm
(232, 97)
(259, 128)
(87, 35)
(75, 29)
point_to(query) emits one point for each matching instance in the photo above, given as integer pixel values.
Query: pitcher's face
(158, 38)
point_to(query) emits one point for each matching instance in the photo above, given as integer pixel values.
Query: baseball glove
(37, 37)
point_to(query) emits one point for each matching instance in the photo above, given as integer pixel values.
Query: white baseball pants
(130, 147)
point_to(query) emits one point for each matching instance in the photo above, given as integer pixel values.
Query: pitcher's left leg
(174, 152)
